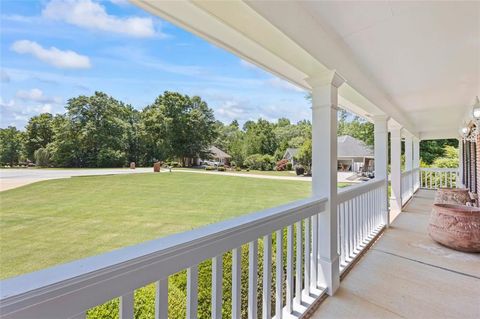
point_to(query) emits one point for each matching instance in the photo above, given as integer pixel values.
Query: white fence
(70, 290)
(433, 178)
(362, 213)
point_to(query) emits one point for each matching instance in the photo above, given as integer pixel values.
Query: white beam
(324, 172)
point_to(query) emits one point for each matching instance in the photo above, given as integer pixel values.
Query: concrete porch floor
(407, 275)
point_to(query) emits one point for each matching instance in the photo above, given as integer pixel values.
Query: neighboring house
(353, 155)
(290, 155)
(218, 156)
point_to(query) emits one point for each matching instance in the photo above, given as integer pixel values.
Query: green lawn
(57, 221)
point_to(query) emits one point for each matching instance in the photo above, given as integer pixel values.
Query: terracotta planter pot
(458, 196)
(456, 226)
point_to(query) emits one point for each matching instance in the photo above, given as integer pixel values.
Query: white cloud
(36, 95)
(91, 15)
(4, 77)
(53, 56)
(17, 112)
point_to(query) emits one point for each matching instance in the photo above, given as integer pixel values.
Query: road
(16, 177)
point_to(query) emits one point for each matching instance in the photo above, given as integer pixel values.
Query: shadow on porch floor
(407, 275)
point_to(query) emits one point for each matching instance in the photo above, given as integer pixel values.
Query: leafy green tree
(432, 149)
(355, 126)
(11, 145)
(304, 156)
(185, 124)
(39, 133)
(42, 157)
(231, 139)
(94, 133)
(449, 160)
(260, 138)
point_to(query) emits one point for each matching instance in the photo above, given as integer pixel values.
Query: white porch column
(381, 157)
(409, 163)
(460, 164)
(408, 153)
(395, 169)
(416, 152)
(324, 173)
(416, 163)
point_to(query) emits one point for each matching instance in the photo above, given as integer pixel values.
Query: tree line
(101, 131)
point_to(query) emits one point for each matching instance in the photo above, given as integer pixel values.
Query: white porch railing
(407, 184)
(69, 290)
(433, 178)
(361, 215)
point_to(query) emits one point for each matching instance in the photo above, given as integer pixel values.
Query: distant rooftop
(349, 146)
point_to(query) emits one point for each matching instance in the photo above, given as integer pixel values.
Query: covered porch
(354, 245)
(407, 275)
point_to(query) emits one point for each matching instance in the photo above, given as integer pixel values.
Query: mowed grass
(57, 221)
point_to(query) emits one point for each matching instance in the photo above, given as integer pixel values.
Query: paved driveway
(16, 177)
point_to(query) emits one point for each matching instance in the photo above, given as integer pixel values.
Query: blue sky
(54, 50)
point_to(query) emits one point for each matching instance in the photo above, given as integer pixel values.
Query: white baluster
(289, 283)
(161, 299)
(236, 282)
(341, 233)
(217, 276)
(279, 275)
(298, 279)
(252, 279)
(306, 256)
(314, 260)
(350, 228)
(192, 292)
(267, 277)
(126, 306)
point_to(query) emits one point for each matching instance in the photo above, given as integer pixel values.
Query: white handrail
(353, 191)
(69, 290)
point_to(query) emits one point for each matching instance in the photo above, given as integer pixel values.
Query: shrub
(289, 166)
(108, 157)
(238, 169)
(299, 170)
(281, 165)
(253, 161)
(221, 169)
(260, 162)
(268, 163)
(209, 168)
(42, 157)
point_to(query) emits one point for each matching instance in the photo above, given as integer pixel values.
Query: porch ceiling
(424, 55)
(418, 62)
